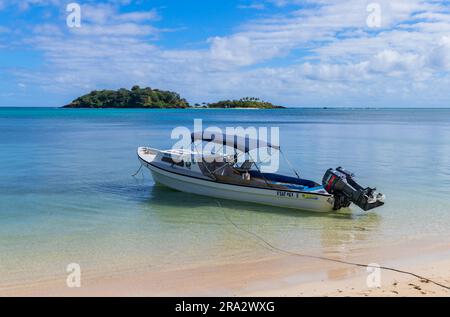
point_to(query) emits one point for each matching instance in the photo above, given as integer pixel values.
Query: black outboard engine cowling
(342, 186)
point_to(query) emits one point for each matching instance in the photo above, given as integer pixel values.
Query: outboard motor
(341, 184)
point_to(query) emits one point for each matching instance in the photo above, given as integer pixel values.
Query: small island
(244, 103)
(150, 98)
(137, 97)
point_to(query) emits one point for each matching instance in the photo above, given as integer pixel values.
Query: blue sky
(309, 53)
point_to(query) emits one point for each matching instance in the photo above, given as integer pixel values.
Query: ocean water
(67, 194)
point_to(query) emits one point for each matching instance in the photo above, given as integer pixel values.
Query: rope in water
(137, 172)
(280, 250)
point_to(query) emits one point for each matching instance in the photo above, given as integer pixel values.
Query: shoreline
(276, 275)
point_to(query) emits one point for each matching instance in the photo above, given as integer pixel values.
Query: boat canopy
(241, 143)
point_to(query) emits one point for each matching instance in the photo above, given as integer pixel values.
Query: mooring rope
(280, 250)
(137, 172)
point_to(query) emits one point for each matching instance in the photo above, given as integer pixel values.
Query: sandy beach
(277, 275)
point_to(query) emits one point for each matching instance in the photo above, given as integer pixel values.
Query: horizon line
(200, 108)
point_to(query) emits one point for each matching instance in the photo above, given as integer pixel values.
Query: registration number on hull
(296, 195)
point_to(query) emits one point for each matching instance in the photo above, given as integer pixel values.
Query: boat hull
(279, 198)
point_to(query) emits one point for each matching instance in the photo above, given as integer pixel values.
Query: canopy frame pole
(290, 165)
(259, 170)
(204, 163)
(221, 167)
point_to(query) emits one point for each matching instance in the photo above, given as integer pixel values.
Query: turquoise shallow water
(67, 195)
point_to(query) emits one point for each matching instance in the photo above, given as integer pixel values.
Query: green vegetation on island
(139, 97)
(248, 102)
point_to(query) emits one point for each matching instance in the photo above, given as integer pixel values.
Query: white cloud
(105, 13)
(124, 29)
(26, 4)
(99, 14)
(255, 6)
(151, 15)
(47, 29)
(333, 19)
(393, 63)
(105, 20)
(239, 50)
(280, 3)
(439, 57)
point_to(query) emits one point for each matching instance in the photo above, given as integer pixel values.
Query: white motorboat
(224, 177)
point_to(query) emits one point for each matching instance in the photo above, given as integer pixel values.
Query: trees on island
(247, 102)
(147, 97)
(137, 97)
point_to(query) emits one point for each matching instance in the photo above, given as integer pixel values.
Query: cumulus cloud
(338, 24)
(394, 63)
(239, 50)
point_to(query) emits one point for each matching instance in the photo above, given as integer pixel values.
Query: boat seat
(245, 167)
(290, 186)
(286, 179)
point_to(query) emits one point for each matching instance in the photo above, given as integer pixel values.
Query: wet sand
(274, 275)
